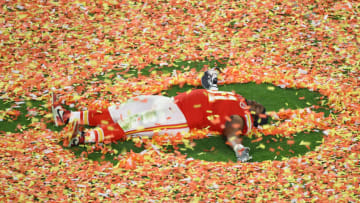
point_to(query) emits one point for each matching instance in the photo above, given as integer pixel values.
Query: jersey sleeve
(194, 105)
(225, 104)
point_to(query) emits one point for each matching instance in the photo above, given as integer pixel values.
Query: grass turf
(212, 148)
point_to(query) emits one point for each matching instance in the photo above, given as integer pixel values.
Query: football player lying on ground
(224, 112)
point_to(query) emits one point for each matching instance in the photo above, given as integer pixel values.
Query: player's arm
(233, 130)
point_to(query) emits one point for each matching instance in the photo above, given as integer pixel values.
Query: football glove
(242, 153)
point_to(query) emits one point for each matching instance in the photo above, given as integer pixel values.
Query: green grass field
(212, 148)
(93, 53)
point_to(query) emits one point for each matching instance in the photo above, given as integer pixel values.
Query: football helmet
(209, 79)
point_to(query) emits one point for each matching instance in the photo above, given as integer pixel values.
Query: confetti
(78, 50)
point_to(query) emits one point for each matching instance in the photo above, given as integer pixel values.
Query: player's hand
(244, 155)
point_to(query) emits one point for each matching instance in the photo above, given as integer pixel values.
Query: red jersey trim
(248, 122)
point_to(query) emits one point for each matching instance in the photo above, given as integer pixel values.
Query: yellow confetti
(261, 146)
(305, 143)
(271, 88)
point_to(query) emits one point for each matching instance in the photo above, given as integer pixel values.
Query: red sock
(91, 117)
(105, 134)
(99, 117)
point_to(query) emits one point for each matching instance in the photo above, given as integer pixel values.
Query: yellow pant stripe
(158, 128)
(248, 123)
(86, 117)
(101, 135)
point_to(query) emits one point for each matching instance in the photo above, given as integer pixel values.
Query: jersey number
(219, 95)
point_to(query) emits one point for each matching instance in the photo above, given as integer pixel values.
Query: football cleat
(78, 139)
(75, 136)
(60, 115)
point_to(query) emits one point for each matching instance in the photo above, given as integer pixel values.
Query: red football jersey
(207, 108)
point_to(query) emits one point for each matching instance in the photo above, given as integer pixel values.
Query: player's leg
(63, 116)
(152, 114)
(119, 113)
(103, 134)
(60, 115)
(139, 116)
(128, 113)
(91, 117)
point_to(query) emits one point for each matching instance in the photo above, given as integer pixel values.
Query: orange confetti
(290, 142)
(78, 50)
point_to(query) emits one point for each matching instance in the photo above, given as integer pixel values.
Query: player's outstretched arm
(233, 130)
